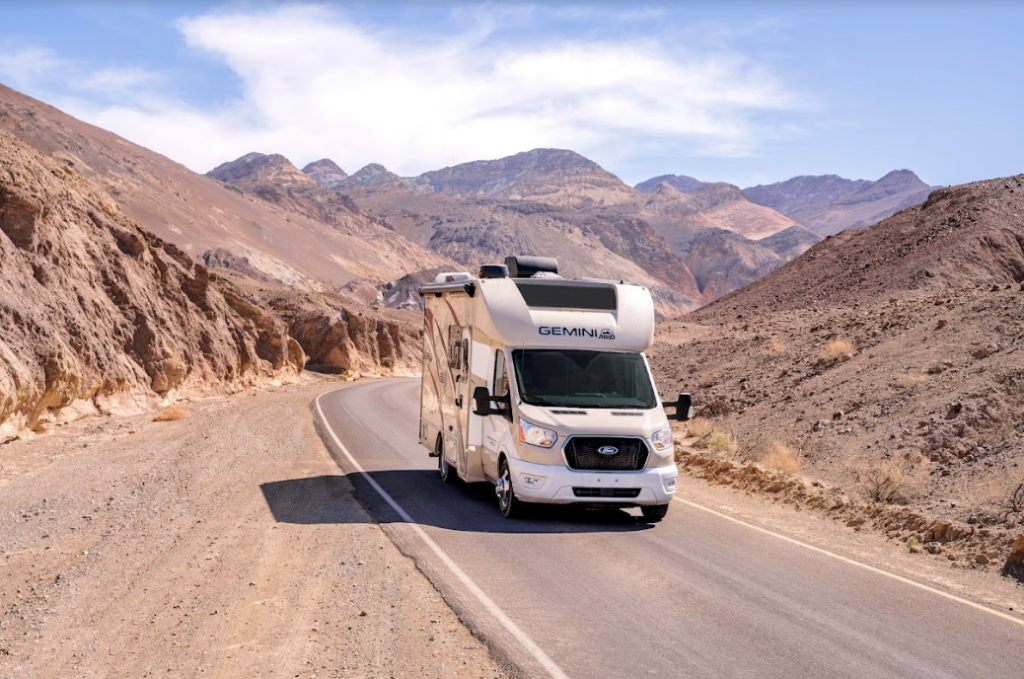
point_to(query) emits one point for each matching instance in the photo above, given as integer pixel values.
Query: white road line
(539, 655)
(877, 571)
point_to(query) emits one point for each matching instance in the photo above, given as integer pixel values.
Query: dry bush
(700, 427)
(837, 350)
(170, 414)
(780, 458)
(1014, 502)
(887, 482)
(721, 442)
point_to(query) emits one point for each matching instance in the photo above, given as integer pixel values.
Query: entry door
(458, 368)
(495, 426)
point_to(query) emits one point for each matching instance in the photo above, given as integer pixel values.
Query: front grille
(581, 454)
(605, 492)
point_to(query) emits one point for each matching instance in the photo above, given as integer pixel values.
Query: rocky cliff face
(98, 315)
(338, 334)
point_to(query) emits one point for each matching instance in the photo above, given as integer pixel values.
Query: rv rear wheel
(654, 513)
(448, 473)
(508, 503)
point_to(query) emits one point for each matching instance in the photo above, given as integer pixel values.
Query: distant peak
(258, 168)
(325, 172)
(679, 182)
(322, 164)
(901, 175)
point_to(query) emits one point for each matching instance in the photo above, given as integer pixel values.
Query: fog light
(532, 481)
(670, 484)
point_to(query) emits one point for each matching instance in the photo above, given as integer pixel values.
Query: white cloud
(316, 84)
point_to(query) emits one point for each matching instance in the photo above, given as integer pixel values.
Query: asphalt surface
(604, 594)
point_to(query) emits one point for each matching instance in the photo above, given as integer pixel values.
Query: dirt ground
(226, 544)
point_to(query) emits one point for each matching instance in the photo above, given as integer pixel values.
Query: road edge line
(534, 650)
(854, 562)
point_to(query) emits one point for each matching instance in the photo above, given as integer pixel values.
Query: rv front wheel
(448, 473)
(508, 503)
(654, 513)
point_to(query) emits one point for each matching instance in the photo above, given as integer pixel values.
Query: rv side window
(500, 374)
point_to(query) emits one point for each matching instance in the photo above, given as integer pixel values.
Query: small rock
(837, 415)
(934, 548)
(981, 560)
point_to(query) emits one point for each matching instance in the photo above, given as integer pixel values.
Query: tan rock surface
(98, 315)
(224, 545)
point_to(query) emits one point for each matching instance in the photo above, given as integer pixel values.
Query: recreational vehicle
(538, 384)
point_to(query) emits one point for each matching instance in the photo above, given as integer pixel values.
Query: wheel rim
(504, 488)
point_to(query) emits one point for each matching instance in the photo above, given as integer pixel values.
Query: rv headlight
(662, 439)
(536, 436)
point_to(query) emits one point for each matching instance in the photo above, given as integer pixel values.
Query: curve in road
(604, 594)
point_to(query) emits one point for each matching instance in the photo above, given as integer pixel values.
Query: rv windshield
(583, 379)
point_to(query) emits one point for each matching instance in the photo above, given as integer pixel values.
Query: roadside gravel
(226, 544)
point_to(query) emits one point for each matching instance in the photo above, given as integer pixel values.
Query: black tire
(654, 513)
(508, 504)
(448, 473)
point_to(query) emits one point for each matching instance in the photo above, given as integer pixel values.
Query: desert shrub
(170, 414)
(780, 458)
(721, 442)
(888, 483)
(700, 427)
(1014, 502)
(837, 350)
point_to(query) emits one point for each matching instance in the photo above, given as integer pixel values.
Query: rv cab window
(583, 378)
(500, 375)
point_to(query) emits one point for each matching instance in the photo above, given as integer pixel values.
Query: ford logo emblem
(608, 450)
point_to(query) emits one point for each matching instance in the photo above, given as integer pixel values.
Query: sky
(743, 92)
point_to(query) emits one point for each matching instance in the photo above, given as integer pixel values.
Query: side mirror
(684, 407)
(490, 405)
(482, 397)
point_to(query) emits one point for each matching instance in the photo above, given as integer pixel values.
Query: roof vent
(493, 271)
(452, 277)
(526, 266)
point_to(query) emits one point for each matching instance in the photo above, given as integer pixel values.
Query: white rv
(539, 385)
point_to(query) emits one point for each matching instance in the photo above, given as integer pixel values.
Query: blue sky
(741, 92)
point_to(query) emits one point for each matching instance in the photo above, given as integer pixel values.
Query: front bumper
(550, 484)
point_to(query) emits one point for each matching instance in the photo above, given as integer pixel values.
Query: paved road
(603, 594)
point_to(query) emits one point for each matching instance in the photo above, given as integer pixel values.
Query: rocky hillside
(961, 237)
(553, 176)
(829, 204)
(99, 315)
(886, 363)
(473, 232)
(199, 214)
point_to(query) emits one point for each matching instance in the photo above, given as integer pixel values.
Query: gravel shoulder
(226, 544)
